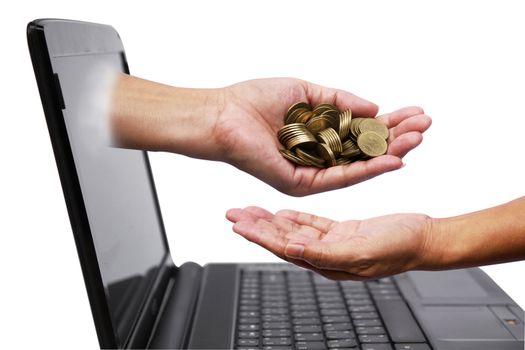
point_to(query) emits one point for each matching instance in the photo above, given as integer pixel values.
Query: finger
(404, 144)
(317, 94)
(259, 212)
(236, 214)
(315, 181)
(326, 256)
(418, 123)
(318, 222)
(394, 118)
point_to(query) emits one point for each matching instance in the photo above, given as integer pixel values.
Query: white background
(462, 61)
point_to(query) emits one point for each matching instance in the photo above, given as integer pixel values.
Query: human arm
(238, 125)
(387, 245)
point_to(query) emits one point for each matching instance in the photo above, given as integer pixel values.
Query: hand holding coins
(325, 137)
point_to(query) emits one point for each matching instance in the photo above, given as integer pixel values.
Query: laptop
(140, 299)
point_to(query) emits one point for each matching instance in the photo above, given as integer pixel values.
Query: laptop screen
(116, 188)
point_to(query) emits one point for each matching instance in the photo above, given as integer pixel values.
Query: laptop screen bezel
(45, 42)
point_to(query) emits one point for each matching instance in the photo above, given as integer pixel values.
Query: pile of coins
(325, 137)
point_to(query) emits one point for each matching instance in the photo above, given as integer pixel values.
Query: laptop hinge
(173, 324)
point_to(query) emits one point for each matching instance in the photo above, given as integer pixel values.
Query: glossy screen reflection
(116, 187)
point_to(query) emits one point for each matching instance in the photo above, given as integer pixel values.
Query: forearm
(156, 117)
(490, 236)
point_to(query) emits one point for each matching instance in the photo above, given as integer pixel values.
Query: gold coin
(345, 118)
(304, 117)
(343, 161)
(292, 157)
(372, 124)
(294, 107)
(372, 144)
(310, 158)
(317, 123)
(331, 138)
(322, 107)
(354, 127)
(326, 153)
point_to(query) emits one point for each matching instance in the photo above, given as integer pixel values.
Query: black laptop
(140, 299)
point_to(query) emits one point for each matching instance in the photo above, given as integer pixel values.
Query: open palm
(253, 113)
(354, 249)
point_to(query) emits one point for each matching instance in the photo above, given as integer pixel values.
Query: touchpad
(446, 284)
(463, 323)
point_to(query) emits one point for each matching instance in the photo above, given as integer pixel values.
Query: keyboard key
(361, 308)
(333, 312)
(354, 302)
(363, 315)
(303, 307)
(248, 335)
(328, 327)
(244, 320)
(412, 347)
(350, 284)
(249, 307)
(330, 299)
(249, 295)
(392, 291)
(248, 327)
(387, 297)
(303, 314)
(399, 322)
(274, 304)
(249, 314)
(342, 343)
(302, 301)
(332, 305)
(367, 323)
(370, 330)
(274, 311)
(335, 319)
(276, 333)
(303, 321)
(276, 325)
(307, 329)
(308, 336)
(340, 335)
(373, 338)
(377, 347)
(248, 342)
(317, 345)
(277, 341)
(274, 318)
(277, 347)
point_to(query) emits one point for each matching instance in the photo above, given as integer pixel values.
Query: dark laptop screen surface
(116, 188)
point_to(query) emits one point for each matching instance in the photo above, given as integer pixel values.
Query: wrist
(156, 117)
(434, 252)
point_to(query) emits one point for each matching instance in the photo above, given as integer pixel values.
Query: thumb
(319, 255)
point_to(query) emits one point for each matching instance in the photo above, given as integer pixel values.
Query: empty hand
(354, 249)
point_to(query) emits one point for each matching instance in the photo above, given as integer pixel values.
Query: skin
(234, 123)
(387, 245)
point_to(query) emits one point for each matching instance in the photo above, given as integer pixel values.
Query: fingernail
(294, 250)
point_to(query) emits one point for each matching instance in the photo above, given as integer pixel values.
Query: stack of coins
(325, 137)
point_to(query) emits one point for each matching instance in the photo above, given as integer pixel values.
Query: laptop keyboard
(296, 309)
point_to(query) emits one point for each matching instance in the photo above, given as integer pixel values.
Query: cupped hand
(252, 112)
(354, 249)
